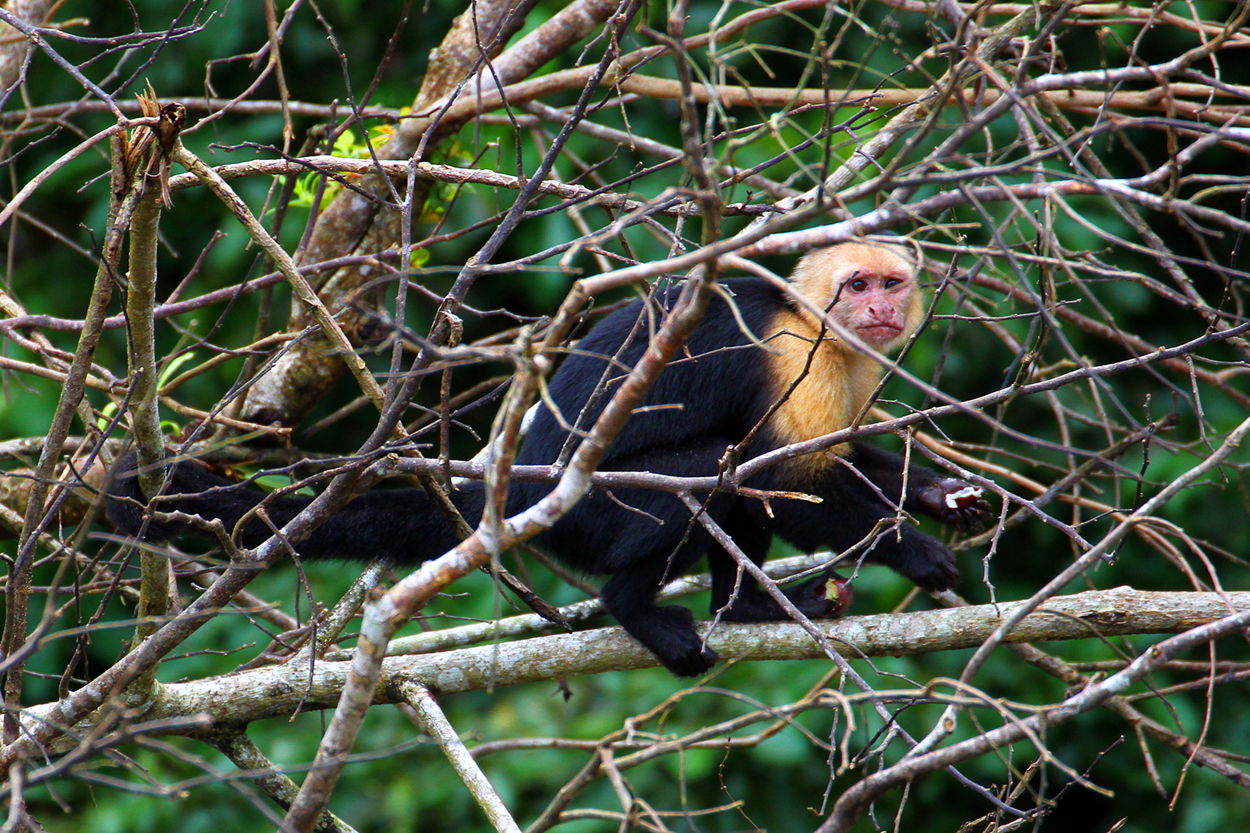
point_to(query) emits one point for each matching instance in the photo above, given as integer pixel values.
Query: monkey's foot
(668, 632)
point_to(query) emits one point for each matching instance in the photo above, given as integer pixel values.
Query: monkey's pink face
(875, 306)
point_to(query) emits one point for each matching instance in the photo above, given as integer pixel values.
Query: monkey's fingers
(974, 517)
(957, 503)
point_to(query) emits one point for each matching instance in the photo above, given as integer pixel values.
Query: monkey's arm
(950, 500)
(857, 509)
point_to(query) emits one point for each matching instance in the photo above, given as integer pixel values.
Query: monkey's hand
(956, 503)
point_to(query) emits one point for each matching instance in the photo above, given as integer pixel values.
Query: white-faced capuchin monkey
(709, 399)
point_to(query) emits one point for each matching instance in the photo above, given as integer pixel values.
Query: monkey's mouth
(879, 333)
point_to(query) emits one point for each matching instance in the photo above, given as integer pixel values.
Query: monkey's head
(868, 288)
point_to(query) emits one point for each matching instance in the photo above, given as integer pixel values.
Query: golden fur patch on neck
(828, 396)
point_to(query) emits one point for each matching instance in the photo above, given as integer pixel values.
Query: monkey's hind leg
(739, 598)
(665, 630)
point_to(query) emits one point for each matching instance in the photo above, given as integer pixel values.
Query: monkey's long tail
(402, 526)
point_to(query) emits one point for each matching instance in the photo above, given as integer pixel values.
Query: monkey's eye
(857, 285)
(890, 283)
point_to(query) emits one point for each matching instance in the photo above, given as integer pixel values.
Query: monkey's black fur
(640, 538)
